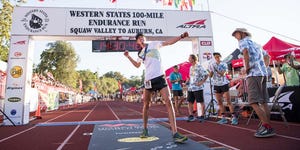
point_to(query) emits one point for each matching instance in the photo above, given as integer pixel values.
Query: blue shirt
(256, 61)
(175, 76)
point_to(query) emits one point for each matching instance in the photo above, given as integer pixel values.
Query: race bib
(148, 84)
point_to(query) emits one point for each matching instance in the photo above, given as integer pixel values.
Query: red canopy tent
(278, 48)
(237, 63)
(184, 69)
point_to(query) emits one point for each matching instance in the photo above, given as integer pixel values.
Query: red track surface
(76, 137)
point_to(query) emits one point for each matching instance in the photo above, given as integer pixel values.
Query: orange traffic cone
(195, 107)
(38, 113)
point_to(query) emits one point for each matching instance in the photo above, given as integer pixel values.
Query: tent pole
(232, 72)
(276, 73)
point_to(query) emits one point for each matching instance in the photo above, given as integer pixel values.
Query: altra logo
(193, 24)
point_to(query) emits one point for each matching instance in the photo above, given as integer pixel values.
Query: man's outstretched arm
(135, 63)
(175, 39)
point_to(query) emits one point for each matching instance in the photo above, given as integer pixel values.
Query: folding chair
(275, 106)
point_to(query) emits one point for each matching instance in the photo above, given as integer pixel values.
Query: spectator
(256, 71)
(291, 75)
(176, 80)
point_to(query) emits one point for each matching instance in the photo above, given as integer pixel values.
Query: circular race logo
(35, 20)
(16, 71)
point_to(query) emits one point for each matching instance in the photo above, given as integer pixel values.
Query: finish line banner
(109, 22)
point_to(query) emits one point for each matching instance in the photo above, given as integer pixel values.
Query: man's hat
(243, 30)
(217, 53)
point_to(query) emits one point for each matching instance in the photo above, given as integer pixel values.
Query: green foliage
(107, 85)
(88, 79)
(116, 75)
(5, 26)
(135, 81)
(61, 60)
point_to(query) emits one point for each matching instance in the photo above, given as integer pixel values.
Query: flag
(50, 75)
(95, 86)
(167, 2)
(120, 87)
(113, 1)
(80, 85)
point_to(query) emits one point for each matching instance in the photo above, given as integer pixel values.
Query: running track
(37, 135)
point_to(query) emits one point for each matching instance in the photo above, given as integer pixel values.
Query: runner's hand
(126, 53)
(184, 35)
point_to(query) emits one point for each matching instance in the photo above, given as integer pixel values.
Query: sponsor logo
(14, 99)
(17, 55)
(20, 42)
(207, 55)
(138, 139)
(14, 88)
(16, 71)
(15, 84)
(205, 43)
(36, 20)
(13, 112)
(119, 125)
(193, 24)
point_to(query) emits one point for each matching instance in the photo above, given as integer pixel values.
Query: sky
(263, 18)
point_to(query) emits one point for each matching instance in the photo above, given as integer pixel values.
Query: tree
(88, 79)
(107, 85)
(116, 75)
(5, 26)
(135, 81)
(6, 10)
(61, 60)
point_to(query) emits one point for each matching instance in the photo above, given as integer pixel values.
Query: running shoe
(201, 119)
(178, 138)
(234, 121)
(191, 118)
(144, 134)
(222, 121)
(264, 132)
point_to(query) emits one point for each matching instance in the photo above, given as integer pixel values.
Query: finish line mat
(125, 136)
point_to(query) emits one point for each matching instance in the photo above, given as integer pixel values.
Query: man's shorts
(195, 95)
(177, 92)
(221, 89)
(157, 83)
(257, 89)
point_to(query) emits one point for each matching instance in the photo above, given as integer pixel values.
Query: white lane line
(4, 139)
(72, 133)
(113, 112)
(212, 140)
